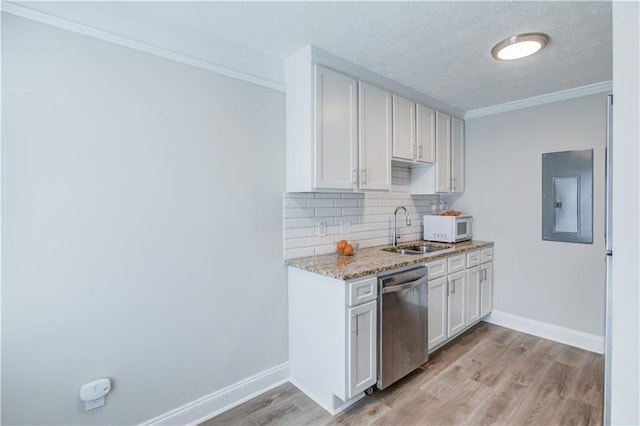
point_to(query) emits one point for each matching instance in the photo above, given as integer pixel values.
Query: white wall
(556, 283)
(133, 188)
(625, 339)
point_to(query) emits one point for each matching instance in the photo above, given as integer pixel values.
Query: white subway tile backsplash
(330, 211)
(320, 202)
(369, 216)
(346, 202)
(298, 213)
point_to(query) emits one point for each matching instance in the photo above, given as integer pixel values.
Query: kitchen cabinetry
(447, 287)
(479, 284)
(425, 134)
(332, 337)
(449, 153)
(486, 281)
(447, 173)
(375, 137)
(413, 131)
(404, 129)
(338, 131)
(460, 294)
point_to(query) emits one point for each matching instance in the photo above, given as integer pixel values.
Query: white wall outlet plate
(322, 229)
(95, 389)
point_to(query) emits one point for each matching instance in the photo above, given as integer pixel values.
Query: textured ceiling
(439, 48)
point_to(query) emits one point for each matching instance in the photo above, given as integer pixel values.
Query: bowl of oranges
(347, 248)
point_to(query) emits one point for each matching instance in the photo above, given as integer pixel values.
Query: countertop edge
(374, 260)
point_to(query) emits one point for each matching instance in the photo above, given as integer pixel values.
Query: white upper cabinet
(443, 152)
(447, 174)
(343, 132)
(457, 155)
(425, 134)
(336, 149)
(413, 131)
(374, 138)
(404, 129)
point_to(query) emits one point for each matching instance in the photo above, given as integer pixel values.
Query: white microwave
(448, 229)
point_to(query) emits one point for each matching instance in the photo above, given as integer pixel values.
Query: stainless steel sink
(418, 249)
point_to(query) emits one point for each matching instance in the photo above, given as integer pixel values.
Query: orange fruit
(341, 245)
(348, 249)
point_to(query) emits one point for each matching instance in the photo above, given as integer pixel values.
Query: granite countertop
(373, 260)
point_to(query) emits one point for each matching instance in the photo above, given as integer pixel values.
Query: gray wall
(132, 186)
(556, 283)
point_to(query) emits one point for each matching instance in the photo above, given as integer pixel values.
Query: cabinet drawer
(486, 255)
(473, 258)
(437, 269)
(457, 263)
(363, 291)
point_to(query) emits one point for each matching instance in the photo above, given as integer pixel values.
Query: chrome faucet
(395, 235)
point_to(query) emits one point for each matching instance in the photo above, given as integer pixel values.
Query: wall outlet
(322, 229)
(345, 227)
(94, 403)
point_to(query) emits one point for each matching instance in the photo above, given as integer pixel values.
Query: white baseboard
(211, 405)
(579, 339)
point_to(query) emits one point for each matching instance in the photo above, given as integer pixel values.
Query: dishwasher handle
(405, 286)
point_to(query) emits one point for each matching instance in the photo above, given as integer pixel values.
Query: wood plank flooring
(489, 375)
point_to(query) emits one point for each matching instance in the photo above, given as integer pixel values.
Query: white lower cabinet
(437, 311)
(447, 299)
(332, 337)
(460, 294)
(486, 288)
(362, 360)
(457, 286)
(473, 294)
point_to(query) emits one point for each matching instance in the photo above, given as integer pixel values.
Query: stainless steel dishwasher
(402, 324)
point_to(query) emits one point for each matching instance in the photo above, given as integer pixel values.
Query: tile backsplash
(362, 217)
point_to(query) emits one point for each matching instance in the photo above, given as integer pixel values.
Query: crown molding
(250, 76)
(577, 92)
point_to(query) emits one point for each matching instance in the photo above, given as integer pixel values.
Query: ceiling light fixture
(519, 46)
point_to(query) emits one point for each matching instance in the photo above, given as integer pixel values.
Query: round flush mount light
(519, 46)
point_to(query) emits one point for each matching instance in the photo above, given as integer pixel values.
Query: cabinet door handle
(484, 273)
(414, 151)
(419, 152)
(354, 177)
(446, 288)
(453, 183)
(364, 175)
(453, 285)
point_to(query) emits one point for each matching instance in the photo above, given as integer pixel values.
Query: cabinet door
(375, 138)
(486, 288)
(404, 128)
(457, 155)
(361, 351)
(425, 134)
(437, 311)
(456, 307)
(443, 152)
(473, 295)
(335, 129)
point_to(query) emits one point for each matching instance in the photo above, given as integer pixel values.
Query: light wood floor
(490, 375)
